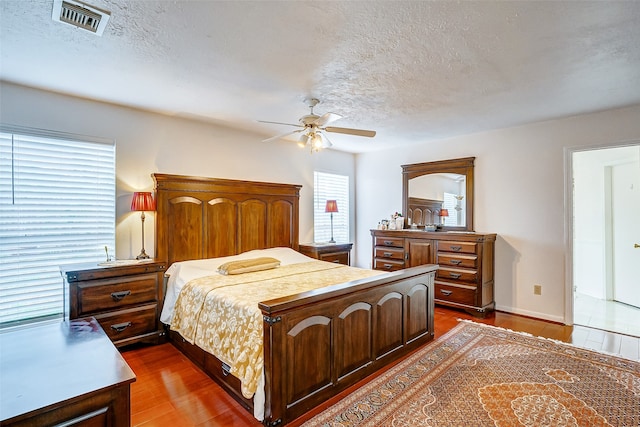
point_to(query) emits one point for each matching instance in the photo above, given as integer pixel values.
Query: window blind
(451, 205)
(57, 206)
(329, 186)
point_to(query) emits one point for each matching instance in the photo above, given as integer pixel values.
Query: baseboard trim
(532, 314)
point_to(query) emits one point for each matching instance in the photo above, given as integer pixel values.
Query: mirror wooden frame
(463, 166)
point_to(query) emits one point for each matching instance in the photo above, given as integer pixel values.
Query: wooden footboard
(319, 343)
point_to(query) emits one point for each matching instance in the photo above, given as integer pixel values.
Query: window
(57, 206)
(452, 202)
(329, 186)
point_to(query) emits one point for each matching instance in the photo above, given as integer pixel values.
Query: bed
(315, 342)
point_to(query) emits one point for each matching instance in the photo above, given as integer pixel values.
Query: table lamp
(143, 201)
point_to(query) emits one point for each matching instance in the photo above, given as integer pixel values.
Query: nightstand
(65, 374)
(331, 252)
(125, 297)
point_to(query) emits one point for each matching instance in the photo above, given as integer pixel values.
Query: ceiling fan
(312, 128)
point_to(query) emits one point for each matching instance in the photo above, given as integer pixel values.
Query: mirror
(439, 194)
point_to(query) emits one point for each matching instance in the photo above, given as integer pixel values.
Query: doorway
(605, 205)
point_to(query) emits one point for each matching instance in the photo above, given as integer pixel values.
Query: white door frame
(568, 219)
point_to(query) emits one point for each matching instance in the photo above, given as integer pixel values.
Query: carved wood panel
(353, 332)
(389, 323)
(313, 373)
(281, 218)
(417, 318)
(221, 241)
(252, 219)
(185, 213)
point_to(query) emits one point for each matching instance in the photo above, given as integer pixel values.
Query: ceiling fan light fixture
(316, 141)
(303, 140)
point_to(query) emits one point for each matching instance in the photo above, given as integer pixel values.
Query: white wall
(148, 143)
(519, 194)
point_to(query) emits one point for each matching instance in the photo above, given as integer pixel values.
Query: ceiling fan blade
(326, 118)
(284, 135)
(280, 123)
(349, 131)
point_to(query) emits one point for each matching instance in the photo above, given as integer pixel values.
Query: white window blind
(329, 186)
(57, 206)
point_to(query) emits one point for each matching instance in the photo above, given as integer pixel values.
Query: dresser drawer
(459, 275)
(390, 253)
(397, 242)
(460, 294)
(387, 264)
(109, 294)
(459, 247)
(454, 260)
(337, 257)
(123, 324)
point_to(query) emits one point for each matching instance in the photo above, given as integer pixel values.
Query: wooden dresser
(331, 252)
(63, 374)
(466, 263)
(126, 299)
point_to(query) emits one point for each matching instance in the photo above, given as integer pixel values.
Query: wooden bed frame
(316, 344)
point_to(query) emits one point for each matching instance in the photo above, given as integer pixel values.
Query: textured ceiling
(413, 71)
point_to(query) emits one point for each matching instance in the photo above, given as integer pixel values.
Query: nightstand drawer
(338, 258)
(124, 324)
(102, 295)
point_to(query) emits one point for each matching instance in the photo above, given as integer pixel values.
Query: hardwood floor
(171, 391)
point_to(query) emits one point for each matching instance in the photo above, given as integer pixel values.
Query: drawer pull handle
(118, 296)
(456, 248)
(387, 254)
(447, 293)
(336, 261)
(226, 369)
(119, 327)
(388, 242)
(455, 275)
(387, 266)
(455, 261)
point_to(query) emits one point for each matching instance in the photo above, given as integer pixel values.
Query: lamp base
(142, 255)
(332, 241)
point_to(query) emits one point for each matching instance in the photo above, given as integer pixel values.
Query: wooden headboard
(200, 218)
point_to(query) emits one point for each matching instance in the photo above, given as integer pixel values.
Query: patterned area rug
(479, 375)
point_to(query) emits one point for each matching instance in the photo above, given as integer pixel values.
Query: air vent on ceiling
(80, 15)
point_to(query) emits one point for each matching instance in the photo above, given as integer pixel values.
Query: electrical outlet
(537, 289)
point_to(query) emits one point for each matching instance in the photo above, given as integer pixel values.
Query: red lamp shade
(444, 212)
(332, 206)
(143, 202)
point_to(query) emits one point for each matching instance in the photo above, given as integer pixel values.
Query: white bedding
(182, 272)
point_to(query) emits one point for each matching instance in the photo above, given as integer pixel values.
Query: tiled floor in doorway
(607, 315)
